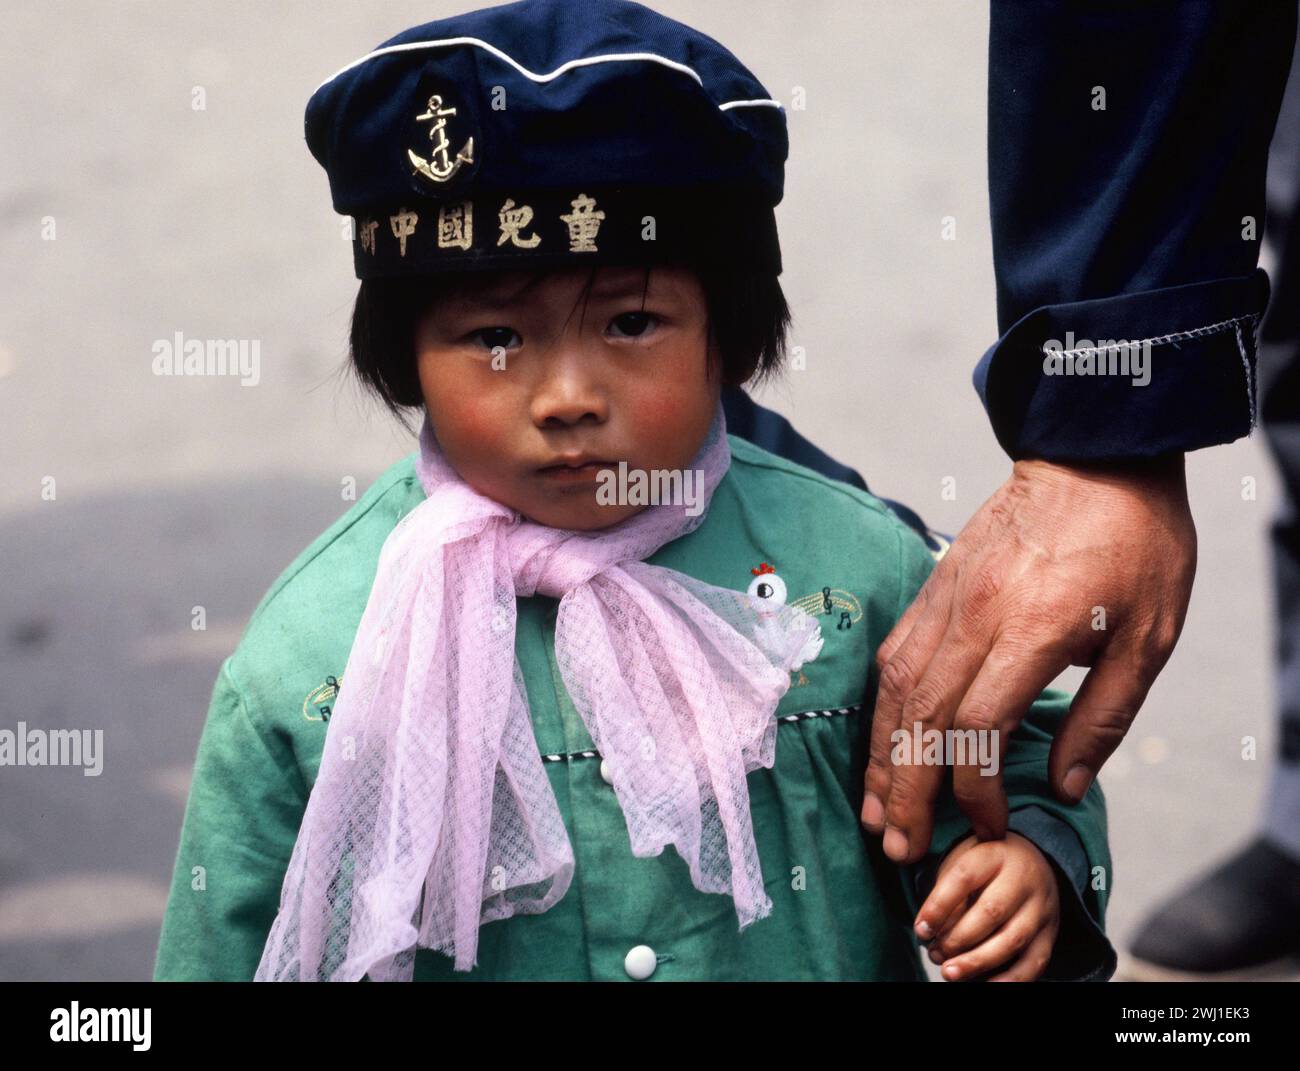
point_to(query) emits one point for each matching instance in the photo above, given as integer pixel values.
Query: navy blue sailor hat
(549, 133)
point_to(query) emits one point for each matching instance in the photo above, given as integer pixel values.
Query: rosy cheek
(667, 414)
(472, 426)
(672, 389)
(654, 409)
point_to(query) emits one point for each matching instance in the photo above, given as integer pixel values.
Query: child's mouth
(583, 471)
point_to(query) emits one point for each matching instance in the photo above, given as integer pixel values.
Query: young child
(582, 623)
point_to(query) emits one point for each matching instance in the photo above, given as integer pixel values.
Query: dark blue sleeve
(1127, 142)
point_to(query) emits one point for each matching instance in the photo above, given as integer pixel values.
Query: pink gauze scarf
(432, 813)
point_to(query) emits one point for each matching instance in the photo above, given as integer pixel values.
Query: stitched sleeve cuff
(1127, 377)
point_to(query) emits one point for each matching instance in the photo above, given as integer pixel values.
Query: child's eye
(633, 324)
(492, 337)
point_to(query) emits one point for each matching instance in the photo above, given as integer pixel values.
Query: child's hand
(994, 903)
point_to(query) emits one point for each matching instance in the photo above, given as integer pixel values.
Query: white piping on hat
(751, 104)
(610, 57)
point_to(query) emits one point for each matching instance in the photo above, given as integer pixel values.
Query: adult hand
(1084, 565)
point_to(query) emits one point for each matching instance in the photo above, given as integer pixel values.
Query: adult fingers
(1008, 682)
(898, 676)
(1102, 711)
(935, 583)
(915, 778)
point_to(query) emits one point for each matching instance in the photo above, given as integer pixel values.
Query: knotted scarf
(432, 813)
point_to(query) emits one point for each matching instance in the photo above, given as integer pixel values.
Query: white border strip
(609, 57)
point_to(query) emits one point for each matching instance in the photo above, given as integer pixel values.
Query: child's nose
(569, 395)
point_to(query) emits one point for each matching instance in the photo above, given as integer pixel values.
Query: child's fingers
(955, 917)
(961, 880)
(1008, 943)
(1000, 901)
(1032, 962)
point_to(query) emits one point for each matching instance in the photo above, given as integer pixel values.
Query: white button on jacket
(640, 963)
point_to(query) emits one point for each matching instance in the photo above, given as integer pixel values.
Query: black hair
(748, 322)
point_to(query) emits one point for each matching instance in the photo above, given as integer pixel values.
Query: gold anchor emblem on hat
(440, 166)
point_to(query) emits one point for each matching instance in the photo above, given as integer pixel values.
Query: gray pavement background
(189, 491)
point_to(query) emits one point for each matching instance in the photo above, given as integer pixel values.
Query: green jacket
(841, 909)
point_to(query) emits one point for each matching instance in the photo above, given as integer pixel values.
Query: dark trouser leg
(1242, 918)
(1279, 378)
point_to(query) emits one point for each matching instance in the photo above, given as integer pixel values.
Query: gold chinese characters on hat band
(514, 221)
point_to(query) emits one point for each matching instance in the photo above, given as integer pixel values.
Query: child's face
(521, 385)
